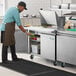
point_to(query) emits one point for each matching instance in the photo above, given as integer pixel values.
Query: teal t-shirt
(12, 15)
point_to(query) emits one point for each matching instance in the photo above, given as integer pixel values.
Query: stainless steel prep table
(47, 42)
(65, 49)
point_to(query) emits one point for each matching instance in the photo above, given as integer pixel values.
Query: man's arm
(18, 22)
(21, 28)
(17, 19)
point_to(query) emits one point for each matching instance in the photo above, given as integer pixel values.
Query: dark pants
(5, 49)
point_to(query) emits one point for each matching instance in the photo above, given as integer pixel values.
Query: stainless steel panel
(48, 46)
(66, 49)
(21, 42)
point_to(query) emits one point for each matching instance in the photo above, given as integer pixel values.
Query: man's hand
(22, 29)
(28, 33)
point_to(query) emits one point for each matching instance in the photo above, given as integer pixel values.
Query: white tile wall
(67, 1)
(74, 1)
(57, 2)
(31, 21)
(2, 7)
(32, 5)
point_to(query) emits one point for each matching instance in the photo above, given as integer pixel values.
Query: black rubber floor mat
(26, 67)
(55, 73)
(33, 69)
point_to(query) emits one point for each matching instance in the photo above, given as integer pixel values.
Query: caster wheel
(62, 64)
(55, 63)
(31, 57)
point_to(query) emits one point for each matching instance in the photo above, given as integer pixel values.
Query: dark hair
(22, 4)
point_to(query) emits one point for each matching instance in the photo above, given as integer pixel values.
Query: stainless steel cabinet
(48, 46)
(66, 49)
(21, 41)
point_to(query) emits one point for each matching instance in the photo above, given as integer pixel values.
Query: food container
(35, 48)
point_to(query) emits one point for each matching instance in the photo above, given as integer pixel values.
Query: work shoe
(17, 59)
(5, 62)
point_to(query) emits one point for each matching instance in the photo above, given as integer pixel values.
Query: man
(8, 29)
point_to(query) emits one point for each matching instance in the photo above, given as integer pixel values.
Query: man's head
(21, 6)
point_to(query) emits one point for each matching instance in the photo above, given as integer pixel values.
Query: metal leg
(62, 64)
(55, 63)
(32, 56)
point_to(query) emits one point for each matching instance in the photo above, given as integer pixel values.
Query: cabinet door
(66, 49)
(48, 46)
(21, 42)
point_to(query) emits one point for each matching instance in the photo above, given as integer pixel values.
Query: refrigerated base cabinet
(66, 49)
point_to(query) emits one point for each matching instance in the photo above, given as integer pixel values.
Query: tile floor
(7, 72)
(4, 71)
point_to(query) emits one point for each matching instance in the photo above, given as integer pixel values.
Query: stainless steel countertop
(49, 30)
(67, 32)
